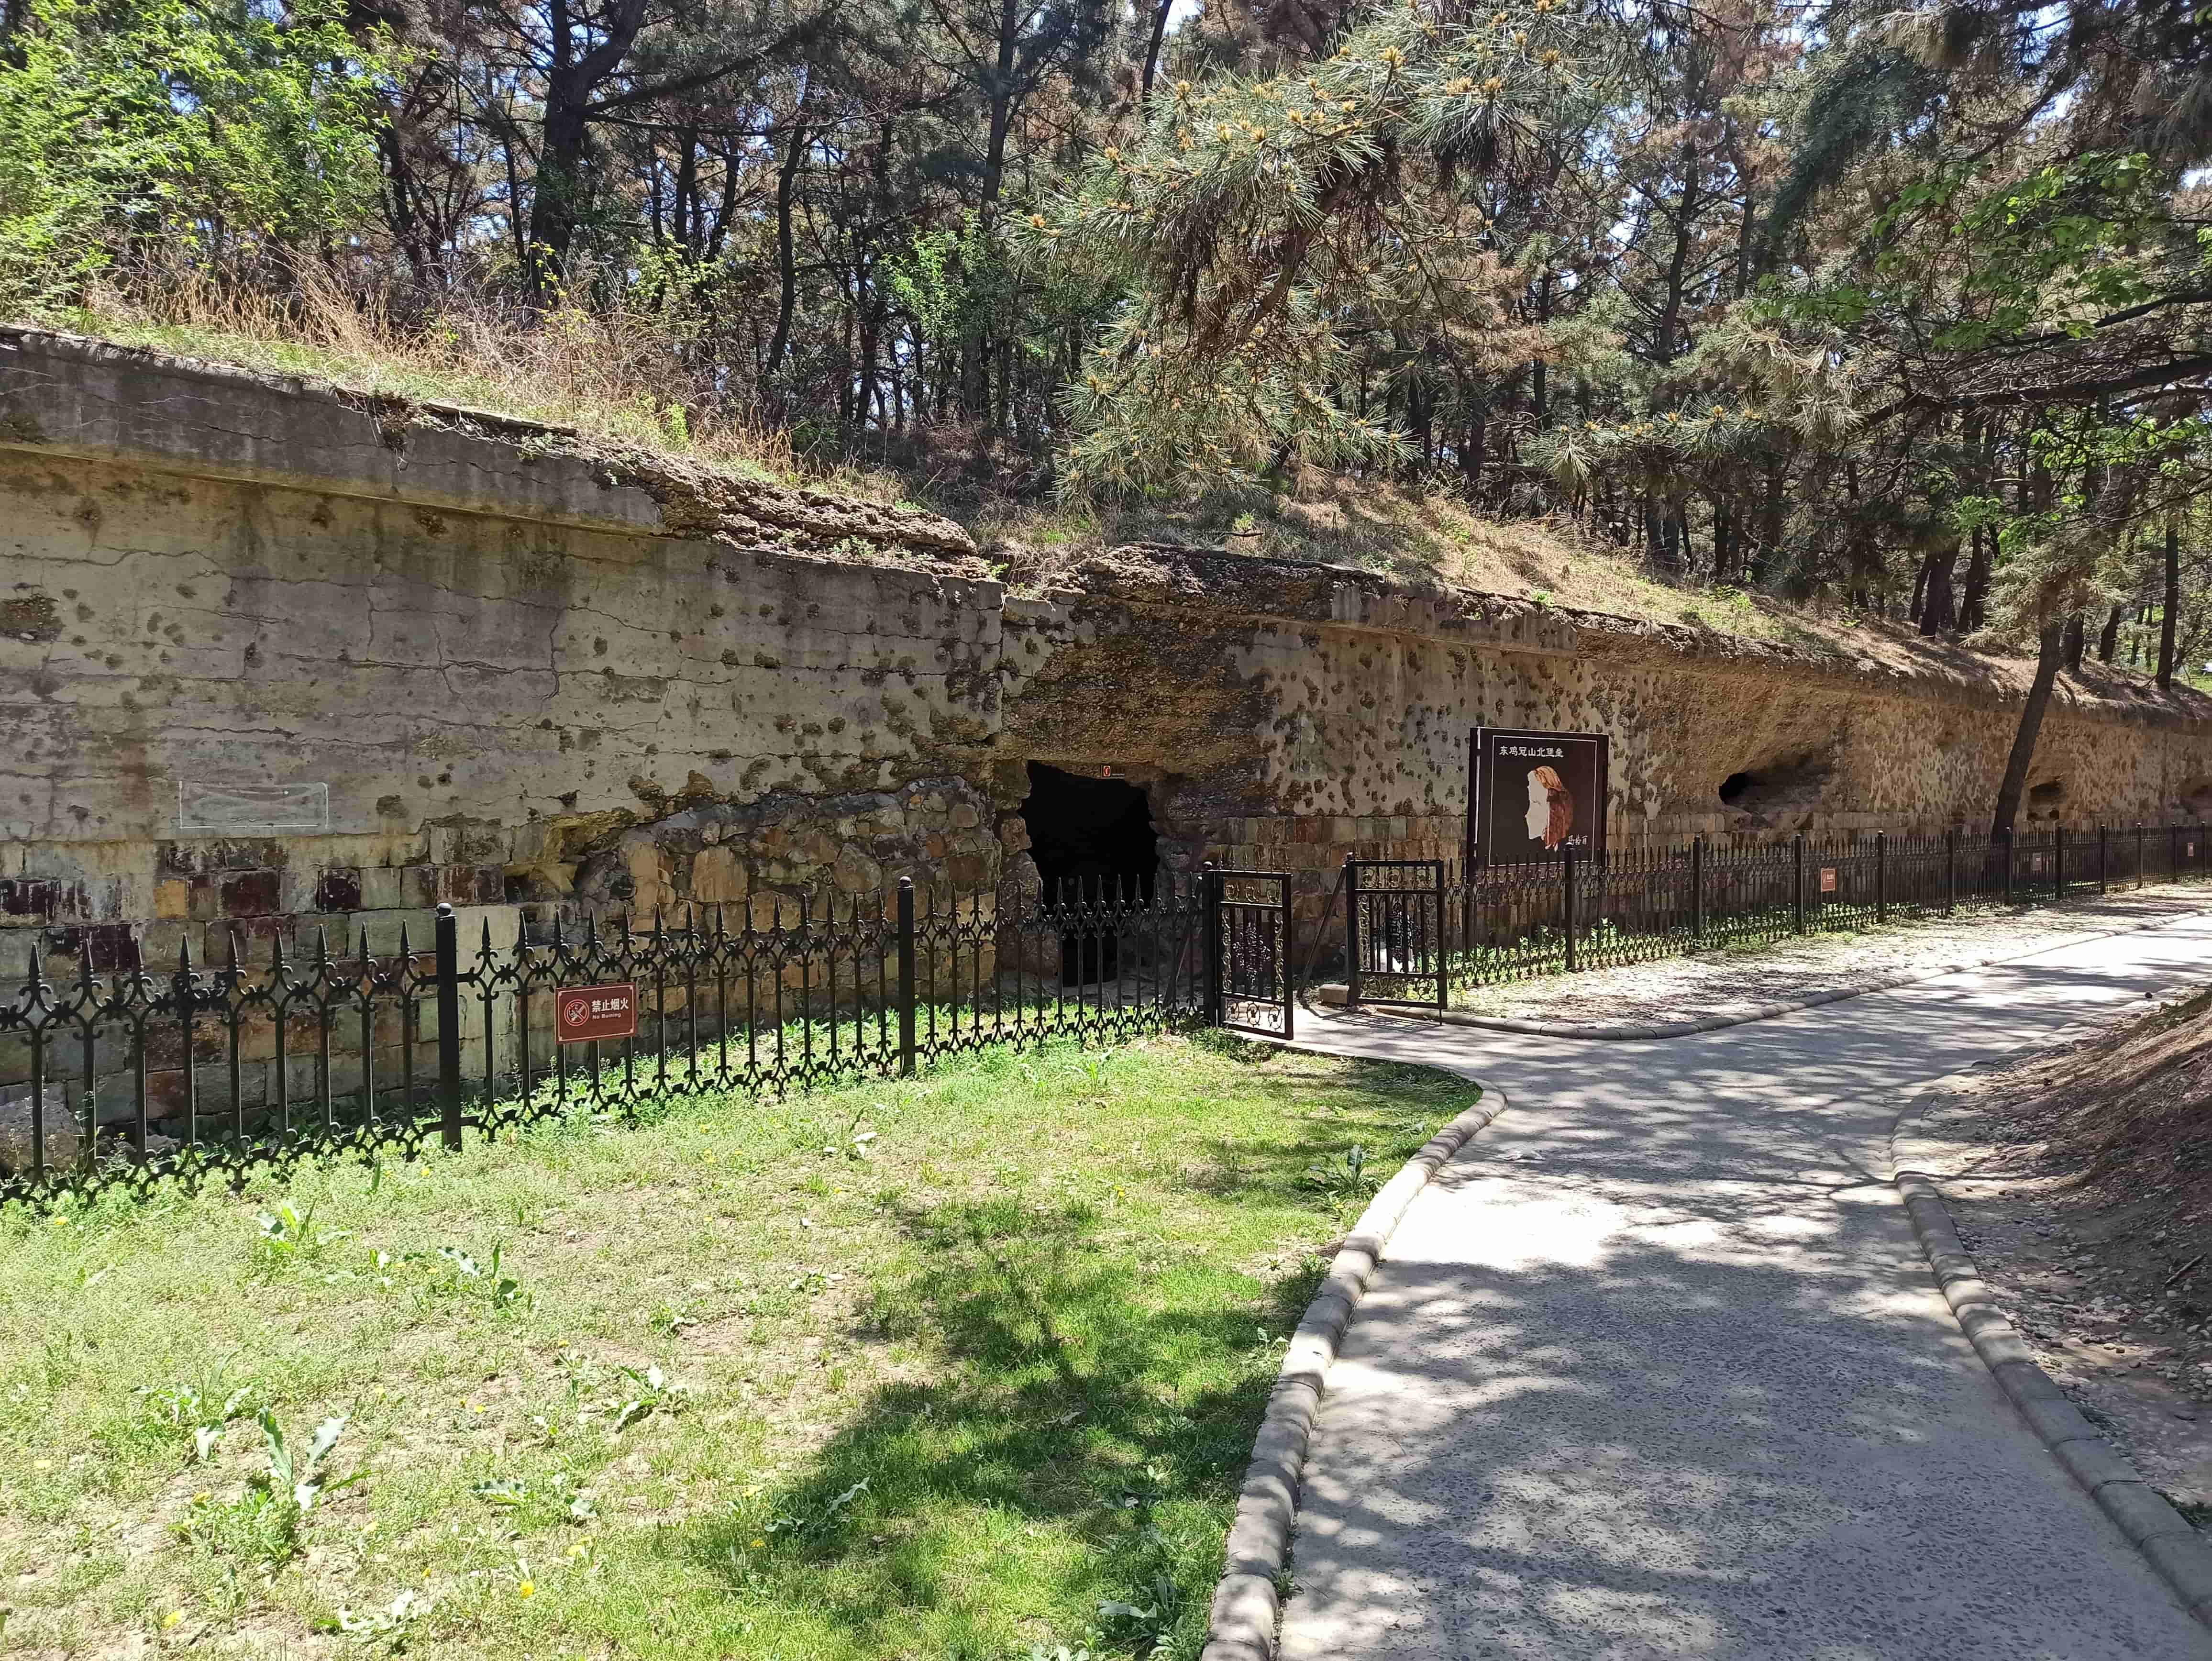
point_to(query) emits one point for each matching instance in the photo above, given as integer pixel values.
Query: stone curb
(1248, 1601)
(2181, 1556)
(1334, 992)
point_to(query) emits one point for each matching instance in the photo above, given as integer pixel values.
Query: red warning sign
(581, 1014)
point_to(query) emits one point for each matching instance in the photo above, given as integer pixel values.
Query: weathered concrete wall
(533, 672)
(1290, 713)
(497, 659)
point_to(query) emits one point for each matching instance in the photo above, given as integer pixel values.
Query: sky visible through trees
(1908, 311)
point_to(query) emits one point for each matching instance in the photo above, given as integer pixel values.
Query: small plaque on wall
(253, 810)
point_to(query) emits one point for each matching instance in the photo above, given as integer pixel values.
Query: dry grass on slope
(2083, 1188)
(1381, 526)
(614, 373)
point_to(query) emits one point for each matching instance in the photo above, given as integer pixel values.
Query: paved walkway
(1655, 1368)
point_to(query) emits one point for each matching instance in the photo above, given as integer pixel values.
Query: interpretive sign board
(1532, 795)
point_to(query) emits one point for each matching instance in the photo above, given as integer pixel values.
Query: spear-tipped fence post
(1567, 885)
(1797, 881)
(449, 1025)
(1211, 882)
(1697, 888)
(1881, 876)
(1351, 932)
(1950, 870)
(906, 976)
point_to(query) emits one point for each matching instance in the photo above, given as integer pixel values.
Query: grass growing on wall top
(951, 1367)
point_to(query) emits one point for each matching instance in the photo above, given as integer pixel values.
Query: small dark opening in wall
(1733, 787)
(1091, 838)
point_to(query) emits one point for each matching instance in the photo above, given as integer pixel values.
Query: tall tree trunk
(786, 264)
(1770, 520)
(2172, 608)
(1152, 49)
(2077, 642)
(556, 204)
(1974, 609)
(1938, 608)
(2050, 648)
(2108, 643)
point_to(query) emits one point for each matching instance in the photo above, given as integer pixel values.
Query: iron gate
(1393, 932)
(1247, 939)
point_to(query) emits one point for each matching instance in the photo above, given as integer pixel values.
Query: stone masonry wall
(527, 673)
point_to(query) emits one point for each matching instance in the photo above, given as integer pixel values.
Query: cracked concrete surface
(455, 620)
(1655, 1367)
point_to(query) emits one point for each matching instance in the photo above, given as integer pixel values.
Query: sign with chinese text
(583, 1013)
(1534, 795)
(1827, 880)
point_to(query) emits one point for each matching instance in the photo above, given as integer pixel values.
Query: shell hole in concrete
(2046, 799)
(1090, 837)
(1777, 793)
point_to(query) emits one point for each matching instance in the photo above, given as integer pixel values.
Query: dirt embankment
(2085, 1198)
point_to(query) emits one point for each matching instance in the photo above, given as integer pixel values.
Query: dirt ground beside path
(2081, 1182)
(1739, 980)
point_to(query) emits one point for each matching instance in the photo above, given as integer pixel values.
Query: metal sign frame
(1484, 748)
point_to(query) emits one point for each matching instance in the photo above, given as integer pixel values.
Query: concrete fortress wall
(274, 657)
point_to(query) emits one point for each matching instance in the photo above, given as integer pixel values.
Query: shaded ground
(939, 1367)
(2082, 1183)
(1657, 1368)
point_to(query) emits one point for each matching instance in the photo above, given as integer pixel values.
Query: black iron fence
(132, 1073)
(1415, 929)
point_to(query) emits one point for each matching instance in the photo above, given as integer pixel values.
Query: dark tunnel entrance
(1093, 839)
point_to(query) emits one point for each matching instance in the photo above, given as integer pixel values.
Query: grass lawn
(956, 1366)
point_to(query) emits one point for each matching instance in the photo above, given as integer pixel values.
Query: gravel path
(1737, 983)
(1655, 1367)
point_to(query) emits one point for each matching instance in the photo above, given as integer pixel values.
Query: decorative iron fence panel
(125, 1075)
(1395, 941)
(1501, 923)
(1249, 928)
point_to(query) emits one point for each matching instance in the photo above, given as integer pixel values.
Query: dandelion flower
(527, 1589)
(169, 1620)
(757, 1544)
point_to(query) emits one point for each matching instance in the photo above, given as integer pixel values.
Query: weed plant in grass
(956, 1366)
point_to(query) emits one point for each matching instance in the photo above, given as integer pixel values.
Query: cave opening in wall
(1092, 838)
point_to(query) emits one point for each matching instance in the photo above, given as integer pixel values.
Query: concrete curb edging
(1248, 1601)
(1332, 993)
(2181, 1556)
